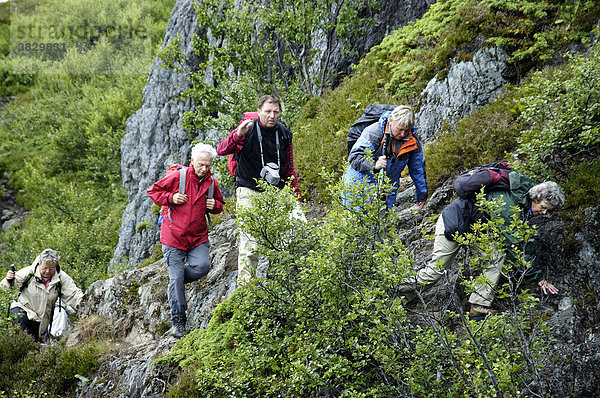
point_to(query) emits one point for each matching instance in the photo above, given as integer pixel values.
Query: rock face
(154, 137)
(132, 308)
(467, 86)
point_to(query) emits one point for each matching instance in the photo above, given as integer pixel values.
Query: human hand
(10, 275)
(210, 204)
(244, 127)
(547, 287)
(420, 205)
(180, 198)
(380, 163)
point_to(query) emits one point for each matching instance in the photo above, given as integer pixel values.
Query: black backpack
(462, 212)
(371, 115)
(491, 176)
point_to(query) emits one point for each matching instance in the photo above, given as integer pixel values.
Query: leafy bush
(60, 141)
(327, 319)
(49, 372)
(561, 109)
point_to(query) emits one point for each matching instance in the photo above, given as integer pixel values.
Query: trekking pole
(382, 170)
(12, 281)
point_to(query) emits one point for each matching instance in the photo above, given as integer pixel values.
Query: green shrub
(48, 372)
(561, 109)
(60, 140)
(327, 319)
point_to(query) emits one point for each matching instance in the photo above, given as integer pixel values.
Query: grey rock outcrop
(154, 137)
(132, 309)
(467, 86)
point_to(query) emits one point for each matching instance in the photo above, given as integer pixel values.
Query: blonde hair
(403, 116)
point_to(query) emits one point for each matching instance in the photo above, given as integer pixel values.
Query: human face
(269, 114)
(539, 208)
(399, 132)
(47, 270)
(201, 165)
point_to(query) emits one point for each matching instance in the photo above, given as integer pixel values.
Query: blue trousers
(198, 265)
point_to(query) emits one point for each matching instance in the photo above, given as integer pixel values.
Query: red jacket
(189, 228)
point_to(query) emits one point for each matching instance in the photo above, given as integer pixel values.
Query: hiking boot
(178, 330)
(479, 312)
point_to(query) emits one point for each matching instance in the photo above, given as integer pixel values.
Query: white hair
(549, 192)
(49, 256)
(203, 149)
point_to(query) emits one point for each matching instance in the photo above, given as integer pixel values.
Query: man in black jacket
(264, 151)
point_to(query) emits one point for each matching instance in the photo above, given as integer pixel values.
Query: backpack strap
(26, 282)
(182, 177)
(210, 193)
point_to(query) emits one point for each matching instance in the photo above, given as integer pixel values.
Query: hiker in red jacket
(184, 231)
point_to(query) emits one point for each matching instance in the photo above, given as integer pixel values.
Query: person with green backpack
(516, 190)
(40, 286)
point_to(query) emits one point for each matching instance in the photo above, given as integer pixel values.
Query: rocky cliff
(154, 137)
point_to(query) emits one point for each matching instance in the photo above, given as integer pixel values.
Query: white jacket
(38, 300)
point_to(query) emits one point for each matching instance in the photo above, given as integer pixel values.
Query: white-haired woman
(40, 286)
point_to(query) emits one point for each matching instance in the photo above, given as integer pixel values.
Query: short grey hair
(205, 149)
(49, 256)
(403, 116)
(549, 192)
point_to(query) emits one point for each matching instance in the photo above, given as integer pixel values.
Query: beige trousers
(247, 259)
(444, 253)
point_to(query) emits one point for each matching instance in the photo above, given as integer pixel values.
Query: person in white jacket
(40, 286)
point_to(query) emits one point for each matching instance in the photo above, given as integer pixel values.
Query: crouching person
(532, 200)
(184, 232)
(40, 286)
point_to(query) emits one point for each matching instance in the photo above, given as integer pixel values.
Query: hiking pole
(386, 139)
(12, 281)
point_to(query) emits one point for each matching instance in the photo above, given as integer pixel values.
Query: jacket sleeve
(6, 286)
(368, 141)
(231, 144)
(71, 294)
(218, 197)
(291, 172)
(161, 192)
(416, 169)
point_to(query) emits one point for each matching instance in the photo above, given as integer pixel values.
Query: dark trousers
(28, 326)
(180, 273)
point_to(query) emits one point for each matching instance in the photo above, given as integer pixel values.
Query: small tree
(327, 321)
(247, 48)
